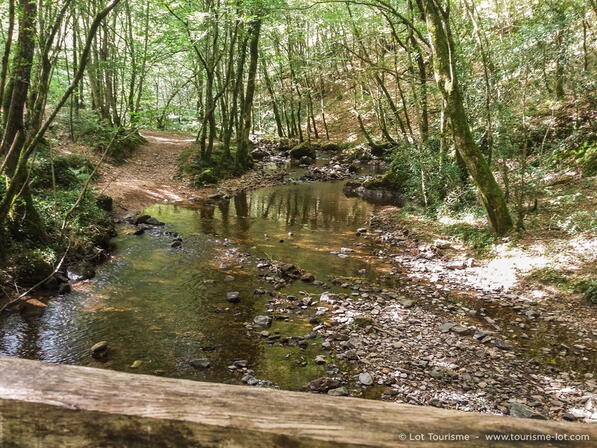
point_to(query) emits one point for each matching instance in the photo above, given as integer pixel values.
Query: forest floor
(459, 309)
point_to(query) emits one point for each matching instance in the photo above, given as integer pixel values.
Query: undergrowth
(565, 281)
(71, 220)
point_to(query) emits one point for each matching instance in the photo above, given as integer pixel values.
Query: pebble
(233, 296)
(263, 321)
(365, 378)
(200, 363)
(99, 350)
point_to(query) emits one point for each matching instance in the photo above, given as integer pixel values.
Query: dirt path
(149, 176)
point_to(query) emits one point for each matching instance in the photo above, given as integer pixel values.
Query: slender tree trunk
(6, 56)
(242, 153)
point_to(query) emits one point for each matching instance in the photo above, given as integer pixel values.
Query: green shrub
(28, 266)
(583, 156)
(68, 171)
(590, 292)
(205, 177)
(551, 277)
(204, 172)
(98, 134)
(588, 288)
(427, 180)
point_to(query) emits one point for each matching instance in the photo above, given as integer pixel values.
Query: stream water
(166, 307)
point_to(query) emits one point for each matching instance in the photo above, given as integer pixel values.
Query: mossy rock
(330, 147)
(363, 321)
(385, 181)
(207, 176)
(303, 149)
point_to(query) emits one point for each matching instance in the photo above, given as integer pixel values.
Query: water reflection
(166, 307)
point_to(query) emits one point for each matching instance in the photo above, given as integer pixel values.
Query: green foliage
(586, 154)
(583, 157)
(27, 259)
(97, 134)
(551, 277)
(479, 239)
(565, 281)
(205, 177)
(426, 177)
(590, 291)
(65, 171)
(579, 221)
(29, 265)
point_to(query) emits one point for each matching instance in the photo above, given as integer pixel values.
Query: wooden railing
(47, 405)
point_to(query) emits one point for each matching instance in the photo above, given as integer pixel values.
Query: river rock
(141, 219)
(323, 384)
(154, 222)
(308, 277)
(306, 160)
(365, 378)
(338, 392)
(501, 344)
(320, 359)
(176, 244)
(406, 303)
(146, 219)
(461, 330)
(290, 271)
(262, 321)
(444, 328)
(330, 147)
(259, 154)
(80, 271)
(200, 363)
(517, 409)
(304, 149)
(99, 350)
(455, 265)
(233, 296)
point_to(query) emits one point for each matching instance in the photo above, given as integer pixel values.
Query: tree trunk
(242, 153)
(21, 76)
(6, 54)
(443, 50)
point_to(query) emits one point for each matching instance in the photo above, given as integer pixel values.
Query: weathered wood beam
(49, 405)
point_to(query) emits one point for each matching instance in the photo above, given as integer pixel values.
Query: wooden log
(48, 405)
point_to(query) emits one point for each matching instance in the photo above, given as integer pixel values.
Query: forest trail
(149, 175)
